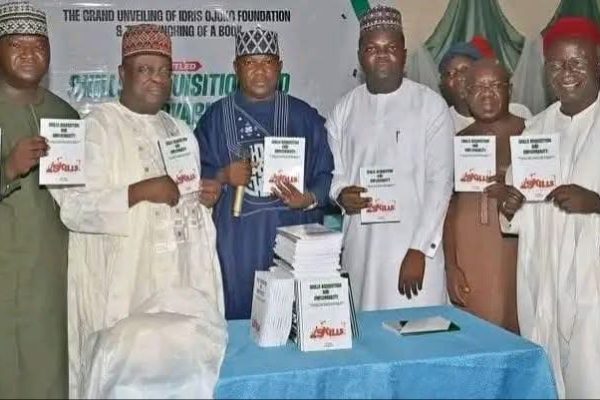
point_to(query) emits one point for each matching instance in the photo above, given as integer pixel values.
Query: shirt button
(432, 246)
(146, 169)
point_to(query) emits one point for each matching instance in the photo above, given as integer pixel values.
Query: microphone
(238, 199)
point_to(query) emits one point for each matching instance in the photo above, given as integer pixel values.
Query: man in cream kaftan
(120, 257)
(558, 271)
(132, 235)
(393, 123)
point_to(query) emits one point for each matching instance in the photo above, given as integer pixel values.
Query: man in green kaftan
(33, 241)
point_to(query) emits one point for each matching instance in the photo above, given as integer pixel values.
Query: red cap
(580, 27)
(484, 46)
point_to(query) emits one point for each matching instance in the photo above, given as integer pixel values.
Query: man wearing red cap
(132, 234)
(558, 269)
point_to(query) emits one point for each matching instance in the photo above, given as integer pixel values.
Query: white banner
(318, 42)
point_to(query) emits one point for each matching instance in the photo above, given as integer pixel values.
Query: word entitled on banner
(474, 162)
(535, 165)
(283, 163)
(180, 163)
(64, 164)
(380, 183)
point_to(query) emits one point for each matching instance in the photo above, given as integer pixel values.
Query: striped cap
(21, 18)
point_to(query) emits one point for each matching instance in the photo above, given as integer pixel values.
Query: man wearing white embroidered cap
(405, 127)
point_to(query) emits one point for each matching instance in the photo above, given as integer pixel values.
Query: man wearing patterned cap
(393, 123)
(454, 67)
(239, 123)
(33, 241)
(558, 271)
(132, 234)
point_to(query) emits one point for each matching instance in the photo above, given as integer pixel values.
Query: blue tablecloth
(478, 361)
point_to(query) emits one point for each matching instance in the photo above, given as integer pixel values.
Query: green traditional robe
(33, 266)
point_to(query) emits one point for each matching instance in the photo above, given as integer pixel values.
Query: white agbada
(411, 131)
(461, 122)
(558, 270)
(119, 257)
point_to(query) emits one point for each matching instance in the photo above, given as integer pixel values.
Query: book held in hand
(283, 162)
(65, 162)
(535, 165)
(180, 163)
(474, 162)
(380, 183)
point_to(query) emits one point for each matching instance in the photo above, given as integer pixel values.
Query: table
(478, 361)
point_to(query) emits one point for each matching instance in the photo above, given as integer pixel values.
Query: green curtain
(360, 7)
(465, 18)
(579, 8)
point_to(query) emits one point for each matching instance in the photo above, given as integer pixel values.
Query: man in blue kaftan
(237, 125)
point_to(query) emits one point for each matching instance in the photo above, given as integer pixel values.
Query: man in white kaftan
(132, 235)
(558, 272)
(394, 123)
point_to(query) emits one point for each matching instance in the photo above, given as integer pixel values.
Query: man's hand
(210, 192)
(412, 270)
(236, 174)
(292, 197)
(510, 200)
(349, 198)
(161, 190)
(458, 286)
(575, 199)
(25, 155)
(498, 191)
(498, 178)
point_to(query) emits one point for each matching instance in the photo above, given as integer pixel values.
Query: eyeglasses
(494, 87)
(572, 64)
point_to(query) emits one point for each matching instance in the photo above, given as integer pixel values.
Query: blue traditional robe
(245, 244)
